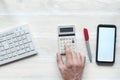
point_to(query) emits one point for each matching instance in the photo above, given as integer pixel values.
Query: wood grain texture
(44, 16)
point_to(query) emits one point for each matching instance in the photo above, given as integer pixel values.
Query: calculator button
(73, 41)
(70, 41)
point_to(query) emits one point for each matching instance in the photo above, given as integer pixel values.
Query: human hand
(73, 69)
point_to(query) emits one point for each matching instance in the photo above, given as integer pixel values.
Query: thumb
(59, 61)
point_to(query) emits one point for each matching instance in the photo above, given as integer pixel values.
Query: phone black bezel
(105, 26)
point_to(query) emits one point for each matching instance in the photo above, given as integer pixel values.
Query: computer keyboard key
(10, 55)
(28, 37)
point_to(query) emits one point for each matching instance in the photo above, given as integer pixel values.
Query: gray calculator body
(66, 36)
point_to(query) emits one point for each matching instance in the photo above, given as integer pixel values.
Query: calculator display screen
(66, 29)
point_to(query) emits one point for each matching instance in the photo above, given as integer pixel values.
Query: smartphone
(106, 43)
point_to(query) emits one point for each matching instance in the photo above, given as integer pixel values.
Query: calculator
(66, 36)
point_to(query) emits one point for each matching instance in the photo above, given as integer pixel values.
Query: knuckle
(76, 65)
(60, 67)
(69, 65)
(82, 65)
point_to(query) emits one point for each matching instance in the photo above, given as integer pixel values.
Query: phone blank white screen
(106, 44)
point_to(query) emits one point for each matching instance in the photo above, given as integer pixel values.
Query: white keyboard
(16, 44)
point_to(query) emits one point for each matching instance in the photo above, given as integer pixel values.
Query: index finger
(68, 54)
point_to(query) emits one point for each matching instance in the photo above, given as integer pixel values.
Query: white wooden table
(44, 16)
